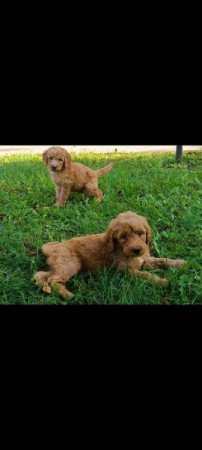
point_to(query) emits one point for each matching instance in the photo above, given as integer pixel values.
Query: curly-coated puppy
(124, 246)
(68, 176)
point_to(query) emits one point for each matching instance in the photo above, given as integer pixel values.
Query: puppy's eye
(124, 236)
(60, 159)
(50, 157)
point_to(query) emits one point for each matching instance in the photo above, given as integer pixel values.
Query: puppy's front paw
(58, 204)
(67, 294)
(178, 262)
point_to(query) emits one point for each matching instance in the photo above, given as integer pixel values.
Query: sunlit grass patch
(168, 194)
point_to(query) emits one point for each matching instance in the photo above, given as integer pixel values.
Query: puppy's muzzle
(53, 168)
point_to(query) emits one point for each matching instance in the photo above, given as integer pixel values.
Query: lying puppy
(68, 176)
(124, 246)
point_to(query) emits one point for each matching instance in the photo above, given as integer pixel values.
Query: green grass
(169, 195)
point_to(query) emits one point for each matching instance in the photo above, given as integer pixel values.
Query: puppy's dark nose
(136, 250)
(53, 169)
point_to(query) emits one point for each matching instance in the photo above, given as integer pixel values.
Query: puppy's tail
(104, 170)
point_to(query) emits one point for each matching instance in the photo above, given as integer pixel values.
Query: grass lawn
(169, 195)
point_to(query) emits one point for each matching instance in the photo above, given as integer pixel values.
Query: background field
(169, 195)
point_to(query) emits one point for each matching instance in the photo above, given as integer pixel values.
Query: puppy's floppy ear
(45, 157)
(148, 230)
(67, 161)
(110, 241)
(148, 233)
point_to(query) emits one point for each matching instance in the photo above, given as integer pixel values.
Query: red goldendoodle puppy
(68, 176)
(124, 246)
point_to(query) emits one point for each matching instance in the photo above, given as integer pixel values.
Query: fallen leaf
(32, 252)
(120, 193)
(165, 301)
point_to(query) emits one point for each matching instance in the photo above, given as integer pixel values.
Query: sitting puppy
(124, 246)
(68, 176)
